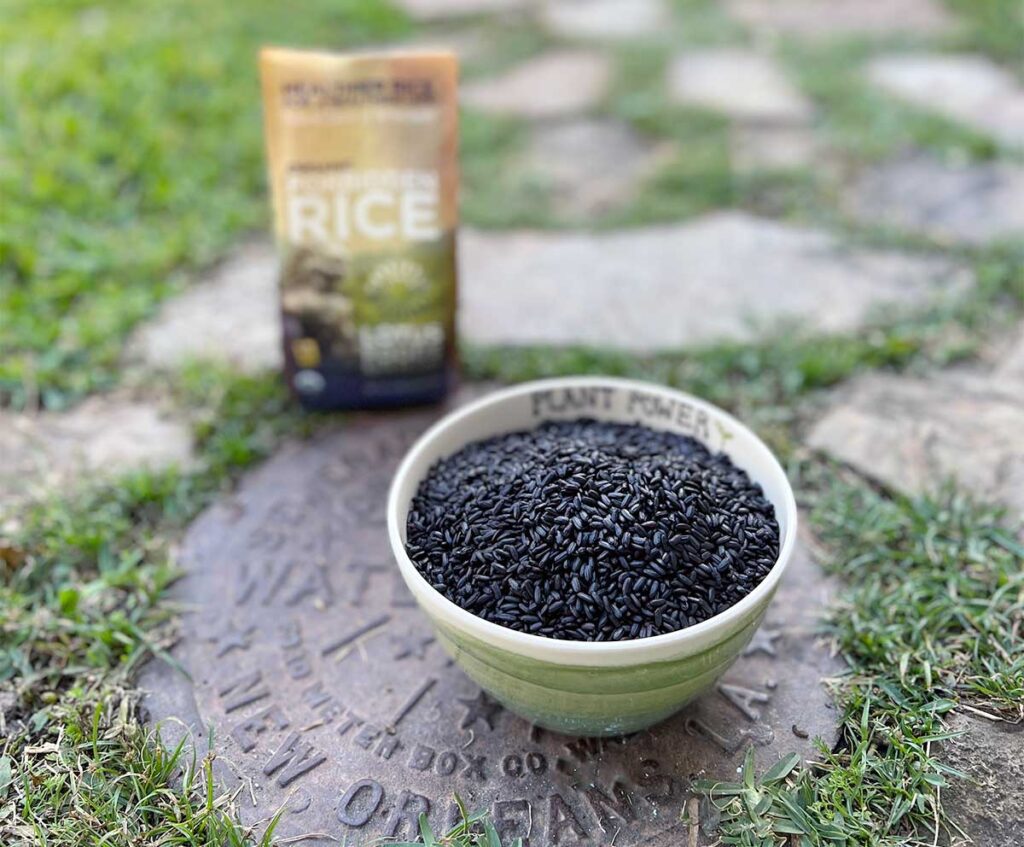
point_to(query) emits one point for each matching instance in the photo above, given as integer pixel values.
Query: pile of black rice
(591, 531)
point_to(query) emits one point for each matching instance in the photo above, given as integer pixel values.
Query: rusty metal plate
(325, 694)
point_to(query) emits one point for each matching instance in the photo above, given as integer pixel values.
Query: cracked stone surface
(231, 315)
(434, 10)
(329, 697)
(972, 203)
(740, 83)
(609, 20)
(590, 166)
(992, 754)
(556, 84)
(966, 88)
(725, 276)
(912, 433)
(104, 435)
(818, 19)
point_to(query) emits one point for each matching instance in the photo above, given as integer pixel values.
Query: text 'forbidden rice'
(591, 531)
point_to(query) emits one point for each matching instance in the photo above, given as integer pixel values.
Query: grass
(146, 162)
(705, 23)
(935, 598)
(81, 597)
(700, 175)
(472, 830)
(81, 584)
(864, 123)
(504, 43)
(929, 621)
(125, 797)
(995, 27)
(495, 194)
(696, 176)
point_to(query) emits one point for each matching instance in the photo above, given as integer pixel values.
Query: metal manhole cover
(327, 696)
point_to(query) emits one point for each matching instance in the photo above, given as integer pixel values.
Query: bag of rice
(362, 161)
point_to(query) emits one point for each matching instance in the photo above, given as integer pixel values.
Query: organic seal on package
(362, 159)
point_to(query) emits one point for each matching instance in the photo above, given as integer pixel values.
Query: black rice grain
(591, 531)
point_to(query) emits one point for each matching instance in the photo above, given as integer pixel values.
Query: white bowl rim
(630, 651)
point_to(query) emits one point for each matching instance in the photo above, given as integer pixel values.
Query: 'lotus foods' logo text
(399, 91)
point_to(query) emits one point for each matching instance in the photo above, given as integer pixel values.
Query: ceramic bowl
(592, 688)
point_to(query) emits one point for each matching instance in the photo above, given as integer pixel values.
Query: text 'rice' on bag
(362, 162)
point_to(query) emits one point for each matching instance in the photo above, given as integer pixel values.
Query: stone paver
(969, 203)
(1011, 363)
(966, 88)
(746, 274)
(556, 84)
(435, 10)
(231, 316)
(990, 807)
(724, 276)
(818, 19)
(590, 166)
(609, 20)
(913, 433)
(737, 82)
(755, 147)
(103, 435)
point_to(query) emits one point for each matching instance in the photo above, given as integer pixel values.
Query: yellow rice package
(362, 152)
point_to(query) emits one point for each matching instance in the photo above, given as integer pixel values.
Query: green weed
(496, 194)
(863, 122)
(81, 606)
(995, 27)
(930, 619)
(472, 830)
